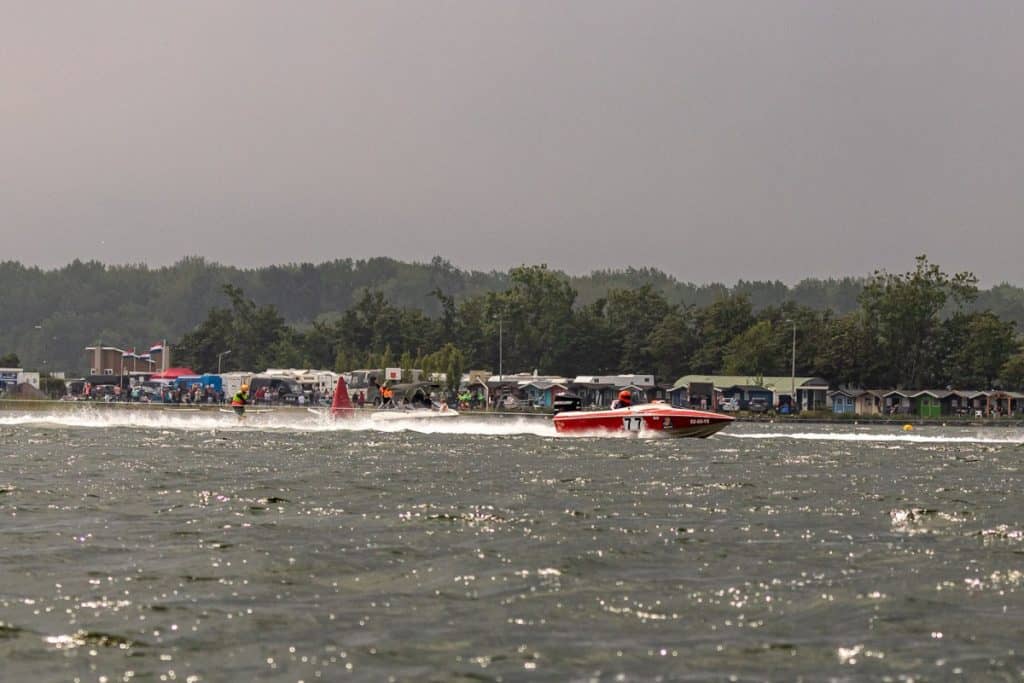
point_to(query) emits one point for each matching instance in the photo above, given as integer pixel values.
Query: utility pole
(792, 370)
(219, 356)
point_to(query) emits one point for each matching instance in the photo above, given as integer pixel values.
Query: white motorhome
(233, 381)
(321, 381)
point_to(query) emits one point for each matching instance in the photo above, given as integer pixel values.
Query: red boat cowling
(341, 405)
(649, 419)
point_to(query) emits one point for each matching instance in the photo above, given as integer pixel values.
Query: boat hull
(649, 420)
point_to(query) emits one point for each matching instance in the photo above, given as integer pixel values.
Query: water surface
(191, 548)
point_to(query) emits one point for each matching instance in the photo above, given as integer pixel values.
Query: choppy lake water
(188, 548)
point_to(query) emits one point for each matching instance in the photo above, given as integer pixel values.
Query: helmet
(245, 387)
(625, 395)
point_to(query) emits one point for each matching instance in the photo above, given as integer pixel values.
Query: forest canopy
(919, 328)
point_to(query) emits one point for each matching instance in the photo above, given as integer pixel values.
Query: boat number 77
(632, 423)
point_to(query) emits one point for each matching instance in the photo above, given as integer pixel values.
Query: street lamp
(44, 347)
(500, 361)
(792, 375)
(219, 356)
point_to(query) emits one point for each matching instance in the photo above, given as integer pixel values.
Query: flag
(130, 353)
(156, 348)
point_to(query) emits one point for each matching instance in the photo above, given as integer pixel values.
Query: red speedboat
(649, 419)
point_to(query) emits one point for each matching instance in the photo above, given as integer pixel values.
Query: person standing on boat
(239, 401)
(624, 400)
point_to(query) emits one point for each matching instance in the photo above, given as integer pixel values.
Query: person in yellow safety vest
(239, 400)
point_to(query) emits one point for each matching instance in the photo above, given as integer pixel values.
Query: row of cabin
(539, 391)
(484, 388)
(788, 394)
(926, 402)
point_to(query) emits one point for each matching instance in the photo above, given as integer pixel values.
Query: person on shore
(239, 401)
(624, 400)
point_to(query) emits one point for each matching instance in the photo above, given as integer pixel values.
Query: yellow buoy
(908, 428)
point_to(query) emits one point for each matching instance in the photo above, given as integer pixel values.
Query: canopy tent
(173, 373)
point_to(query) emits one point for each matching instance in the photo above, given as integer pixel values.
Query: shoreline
(49, 405)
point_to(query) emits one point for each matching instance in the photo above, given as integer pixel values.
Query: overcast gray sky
(715, 140)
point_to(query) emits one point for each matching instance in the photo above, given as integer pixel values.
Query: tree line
(909, 330)
(913, 329)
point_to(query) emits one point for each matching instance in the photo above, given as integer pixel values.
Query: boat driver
(624, 400)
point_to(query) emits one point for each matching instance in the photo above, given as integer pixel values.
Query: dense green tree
(716, 326)
(672, 344)
(848, 355)
(477, 332)
(905, 309)
(755, 351)
(590, 347)
(536, 312)
(918, 328)
(199, 349)
(1011, 375)
(976, 347)
(448, 360)
(633, 316)
(10, 360)
(256, 336)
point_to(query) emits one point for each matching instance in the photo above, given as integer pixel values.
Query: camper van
(318, 382)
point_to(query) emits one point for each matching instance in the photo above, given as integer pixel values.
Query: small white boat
(248, 411)
(341, 408)
(413, 414)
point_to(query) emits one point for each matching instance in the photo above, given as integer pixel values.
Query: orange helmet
(625, 395)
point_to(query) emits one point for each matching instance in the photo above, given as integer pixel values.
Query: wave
(877, 437)
(285, 421)
(470, 425)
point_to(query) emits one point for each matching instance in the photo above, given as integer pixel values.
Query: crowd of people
(139, 393)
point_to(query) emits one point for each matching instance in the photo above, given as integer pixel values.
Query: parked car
(758, 405)
(730, 405)
(277, 389)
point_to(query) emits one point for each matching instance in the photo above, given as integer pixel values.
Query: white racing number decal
(632, 423)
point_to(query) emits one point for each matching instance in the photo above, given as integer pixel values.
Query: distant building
(601, 390)
(811, 392)
(856, 401)
(111, 360)
(11, 378)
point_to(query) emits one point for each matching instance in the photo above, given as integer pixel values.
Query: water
(186, 547)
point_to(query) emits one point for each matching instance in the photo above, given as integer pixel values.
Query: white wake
(283, 421)
(903, 437)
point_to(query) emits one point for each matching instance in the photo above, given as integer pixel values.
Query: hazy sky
(715, 140)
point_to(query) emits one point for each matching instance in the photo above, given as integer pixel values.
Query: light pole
(792, 369)
(219, 356)
(500, 363)
(42, 338)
